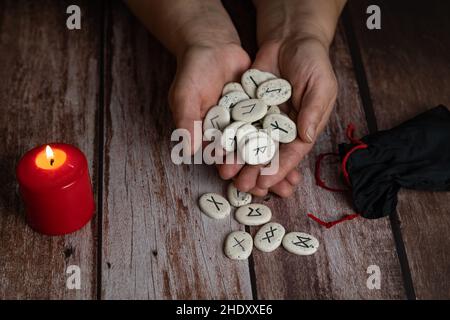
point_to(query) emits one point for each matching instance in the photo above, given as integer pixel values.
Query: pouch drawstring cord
(358, 146)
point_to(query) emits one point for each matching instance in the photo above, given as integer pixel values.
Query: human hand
(206, 44)
(305, 64)
(201, 74)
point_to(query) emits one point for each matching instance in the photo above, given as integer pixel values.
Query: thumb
(186, 113)
(316, 103)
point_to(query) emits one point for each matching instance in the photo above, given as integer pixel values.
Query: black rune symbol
(216, 203)
(252, 106)
(303, 242)
(273, 90)
(238, 243)
(215, 125)
(260, 149)
(253, 212)
(275, 126)
(270, 234)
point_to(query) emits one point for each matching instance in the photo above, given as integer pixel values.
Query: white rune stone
(257, 148)
(244, 131)
(238, 245)
(232, 98)
(238, 198)
(300, 243)
(274, 92)
(269, 237)
(273, 109)
(214, 205)
(253, 214)
(280, 127)
(252, 78)
(232, 86)
(249, 110)
(228, 140)
(212, 134)
(218, 117)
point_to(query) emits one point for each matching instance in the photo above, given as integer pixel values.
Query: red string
(350, 131)
(346, 157)
(358, 146)
(319, 180)
(333, 223)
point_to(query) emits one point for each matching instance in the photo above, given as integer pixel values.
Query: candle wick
(52, 161)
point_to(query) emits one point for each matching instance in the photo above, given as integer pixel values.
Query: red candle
(56, 189)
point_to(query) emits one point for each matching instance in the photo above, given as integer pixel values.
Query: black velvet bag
(413, 155)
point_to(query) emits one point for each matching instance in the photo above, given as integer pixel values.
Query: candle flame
(49, 152)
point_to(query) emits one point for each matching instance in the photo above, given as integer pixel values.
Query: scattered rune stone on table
(269, 237)
(300, 243)
(275, 91)
(232, 86)
(238, 198)
(238, 245)
(253, 214)
(214, 205)
(218, 117)
(232, 98)
(280, 128)
(252, 78)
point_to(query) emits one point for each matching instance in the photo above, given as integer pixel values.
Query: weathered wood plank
(48, 92)
(157, 244)
(338, 269)
(407, 64)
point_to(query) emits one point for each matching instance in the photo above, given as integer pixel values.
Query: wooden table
(104, 88)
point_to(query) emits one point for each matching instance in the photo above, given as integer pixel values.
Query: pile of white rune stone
(248, 119)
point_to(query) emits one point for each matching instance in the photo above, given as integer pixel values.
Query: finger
(267, 59)
(283, 188)
(319, 97)
(246, 180)
(186, 114)
(229, 170)
(291, 154)
(293, 177)
(258, 192)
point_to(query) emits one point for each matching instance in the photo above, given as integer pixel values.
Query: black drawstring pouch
(414, 155)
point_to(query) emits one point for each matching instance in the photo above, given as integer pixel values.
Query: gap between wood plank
(252, 272)
(369, 112)
(101, 132)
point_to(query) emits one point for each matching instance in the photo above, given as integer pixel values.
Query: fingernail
(310, 133)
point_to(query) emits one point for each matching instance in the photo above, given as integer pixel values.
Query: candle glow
(50, 158)
(49, 153)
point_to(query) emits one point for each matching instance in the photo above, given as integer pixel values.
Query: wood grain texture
(156, 242)
(338, 269)
(48, 92)
(407, 64)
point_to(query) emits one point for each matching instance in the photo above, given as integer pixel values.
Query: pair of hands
(204, 69)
